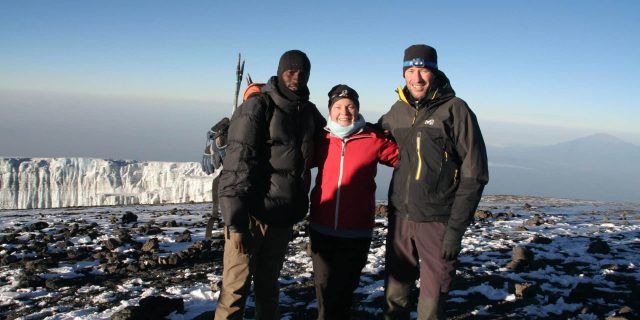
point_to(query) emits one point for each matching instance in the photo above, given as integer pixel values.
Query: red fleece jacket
(344, 193)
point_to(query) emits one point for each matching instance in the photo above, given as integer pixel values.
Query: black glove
(451, 245)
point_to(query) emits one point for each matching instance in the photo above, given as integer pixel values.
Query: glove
(451, 245)
(241, 241)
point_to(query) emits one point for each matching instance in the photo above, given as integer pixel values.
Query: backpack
(216, 138)
(215, 150)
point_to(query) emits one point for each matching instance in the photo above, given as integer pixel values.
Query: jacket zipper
(413, 122)
(419, 169)
(335, 223)
(443, 160)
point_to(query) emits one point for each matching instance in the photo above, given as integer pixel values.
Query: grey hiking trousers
(413, 251)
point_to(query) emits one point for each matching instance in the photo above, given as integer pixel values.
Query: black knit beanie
(343, 91)
(294, 60)
(420, 55)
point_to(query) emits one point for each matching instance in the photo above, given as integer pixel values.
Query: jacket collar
(288, 103)
(442, 91)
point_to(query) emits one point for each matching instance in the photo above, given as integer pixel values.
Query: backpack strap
(270, 110)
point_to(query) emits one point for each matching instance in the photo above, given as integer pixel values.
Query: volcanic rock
(526, 290)
(483, 214)
(129, 217)
(150, 230)
(129, 313)
(382, 211)
(29, 281)
(10, 238)
(37, 226)
(184, 237)
(541, 239)
(598, 246)
(535, 221)
(124, 236)
(151, 245)
(581, 292)
(9, 259)
(170, 224)
(521, 257)
(153, 307)
(624, 313)
(111, 243)
(57, 283)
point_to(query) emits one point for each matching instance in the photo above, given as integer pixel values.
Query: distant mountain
(599, 166)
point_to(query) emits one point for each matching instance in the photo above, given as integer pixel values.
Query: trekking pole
(239, 73)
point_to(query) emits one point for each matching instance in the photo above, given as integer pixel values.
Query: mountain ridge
(598, 166)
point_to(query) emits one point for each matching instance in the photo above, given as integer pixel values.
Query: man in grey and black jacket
(435, 189)
(264, 186)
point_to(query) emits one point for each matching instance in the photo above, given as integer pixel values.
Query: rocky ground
(524, 257)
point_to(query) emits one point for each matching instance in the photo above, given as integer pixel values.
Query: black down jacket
(269, 154)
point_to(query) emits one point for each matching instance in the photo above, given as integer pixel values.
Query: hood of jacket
(287, 102)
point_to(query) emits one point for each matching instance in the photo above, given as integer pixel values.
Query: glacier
(29, 183)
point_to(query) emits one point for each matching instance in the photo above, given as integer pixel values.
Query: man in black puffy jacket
(264, 186)
(435, 189)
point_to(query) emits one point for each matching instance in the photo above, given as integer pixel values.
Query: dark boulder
(541, 239)
(521, 257)
(535, 221)
(9, 259)
(129, 217)
(170, 224)
(37, 226)
(111, 243)
(598, 246)
(150, 308)
(184, 237)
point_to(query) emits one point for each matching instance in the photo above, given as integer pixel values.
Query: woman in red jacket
(343, 201)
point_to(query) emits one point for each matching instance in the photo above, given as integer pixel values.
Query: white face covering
(345, 131)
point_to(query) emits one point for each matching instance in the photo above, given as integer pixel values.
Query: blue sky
(542, 65)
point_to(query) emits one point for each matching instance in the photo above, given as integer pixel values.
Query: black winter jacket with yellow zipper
(443, 160)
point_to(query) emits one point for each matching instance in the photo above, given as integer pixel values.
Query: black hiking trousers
(337, 264)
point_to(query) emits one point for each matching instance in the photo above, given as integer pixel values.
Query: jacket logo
(429, 122)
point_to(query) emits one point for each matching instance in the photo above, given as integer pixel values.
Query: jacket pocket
(429, 144)
(435, 170)
(449, 174)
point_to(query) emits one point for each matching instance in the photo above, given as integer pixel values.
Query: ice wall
(27, 183)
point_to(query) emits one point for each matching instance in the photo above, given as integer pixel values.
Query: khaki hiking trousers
(263, 264)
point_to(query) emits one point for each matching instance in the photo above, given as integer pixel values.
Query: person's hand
(241, 241)
(451, 246)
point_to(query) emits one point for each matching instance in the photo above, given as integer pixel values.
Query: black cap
(294, 60)
(343, 91)
(420, 55)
